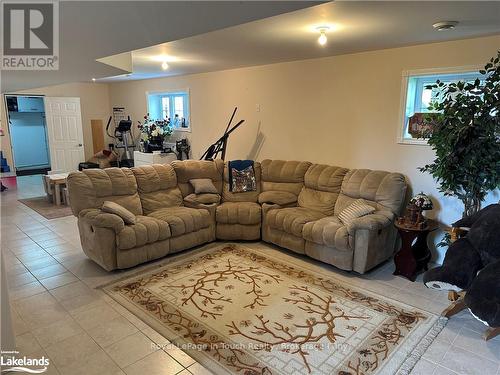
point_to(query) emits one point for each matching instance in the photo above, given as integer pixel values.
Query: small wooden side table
(57, 182)
(413, 257)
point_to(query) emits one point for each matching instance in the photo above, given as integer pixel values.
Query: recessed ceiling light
(93, 79)
(445, 25)
(322, 37)
(164, 65)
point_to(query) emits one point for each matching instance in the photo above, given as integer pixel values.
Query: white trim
(404, 91)
(446, 70)
(174, 91)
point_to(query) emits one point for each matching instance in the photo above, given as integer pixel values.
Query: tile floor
(57, 312)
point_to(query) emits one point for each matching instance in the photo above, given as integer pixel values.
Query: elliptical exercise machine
(221, 144)
(124, 139)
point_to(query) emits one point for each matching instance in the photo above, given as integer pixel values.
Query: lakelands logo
(11, 363)
(30, 35)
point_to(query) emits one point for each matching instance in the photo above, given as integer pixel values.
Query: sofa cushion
(91, 187)
(246, 213)
(283, 175)
(203, 185)
(383, 190)
(183, 219)
(190, 169)
(328, 231)
(114, 208)
(145, 230)
(356, 209)
(247, 196)
(292, 219)
(321, 189)
(282, 198)
(157, 185)
(206, 198)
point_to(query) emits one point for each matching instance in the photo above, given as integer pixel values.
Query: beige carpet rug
(239, 311)
(47, 209)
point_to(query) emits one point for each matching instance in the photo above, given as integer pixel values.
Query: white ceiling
(355, 26)
(90, 30)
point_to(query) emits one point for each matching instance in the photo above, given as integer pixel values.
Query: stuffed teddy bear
(483, 296)
(467, 256)
(472, 263)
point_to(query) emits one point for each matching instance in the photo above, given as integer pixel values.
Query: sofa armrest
(97, 218)
(373, 239)
(210, 207)
(282, 198)
(376, 221)
(266, 207)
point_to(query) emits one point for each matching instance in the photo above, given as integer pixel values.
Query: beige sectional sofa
(296, 206)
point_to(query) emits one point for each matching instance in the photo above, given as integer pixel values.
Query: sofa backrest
(91, 187)
(383, 190)
(281, 175)
(157, 187)
(189, 169)
(249, 196)
(322, 184)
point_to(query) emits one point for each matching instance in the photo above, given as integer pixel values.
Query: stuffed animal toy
(483, 297)
(472, 263)
(467, 256)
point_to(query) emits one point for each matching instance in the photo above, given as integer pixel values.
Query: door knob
(79, 145)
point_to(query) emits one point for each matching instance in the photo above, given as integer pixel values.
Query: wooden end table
(413, 257)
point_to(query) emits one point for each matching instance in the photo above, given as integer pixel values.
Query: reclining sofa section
(296, 206)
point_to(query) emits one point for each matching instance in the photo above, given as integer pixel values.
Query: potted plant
(465, 135)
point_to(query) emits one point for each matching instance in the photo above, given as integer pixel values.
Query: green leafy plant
(465, 135)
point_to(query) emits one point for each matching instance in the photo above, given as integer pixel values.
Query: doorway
(28, 134)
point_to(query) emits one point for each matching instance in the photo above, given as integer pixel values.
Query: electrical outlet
(257, 107)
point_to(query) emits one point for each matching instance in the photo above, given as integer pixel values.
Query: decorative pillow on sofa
(114, 208)
(203, 185)
(277, 197)
(244, 180)
(205, 198)
(356, 209)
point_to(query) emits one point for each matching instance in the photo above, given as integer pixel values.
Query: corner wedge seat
(239, 216)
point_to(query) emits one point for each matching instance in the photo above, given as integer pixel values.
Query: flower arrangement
(154, 132)
(422, 201)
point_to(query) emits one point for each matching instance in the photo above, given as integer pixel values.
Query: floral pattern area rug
(239, 311)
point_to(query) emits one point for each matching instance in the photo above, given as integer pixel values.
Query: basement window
(170, 105)
(417, 98)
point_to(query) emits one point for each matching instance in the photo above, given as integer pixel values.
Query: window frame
(170, 93)
(406, 75)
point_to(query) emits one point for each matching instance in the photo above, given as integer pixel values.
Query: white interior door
(64, 127)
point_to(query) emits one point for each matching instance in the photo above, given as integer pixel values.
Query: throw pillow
(356, 209)
(277, 197)
(205, 198)
(243, 180)
(203, 185)
(114, 208)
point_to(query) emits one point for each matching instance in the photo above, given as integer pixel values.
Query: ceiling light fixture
(445, 25)
(322, 37)
(164, 65)
(93, 79)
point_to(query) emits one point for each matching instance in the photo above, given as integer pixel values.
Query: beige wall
(340, 110)
(94, 100)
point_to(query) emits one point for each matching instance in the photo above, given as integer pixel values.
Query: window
(171, 105)
(418, 97)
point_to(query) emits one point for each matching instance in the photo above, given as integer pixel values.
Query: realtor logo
(30, 36)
